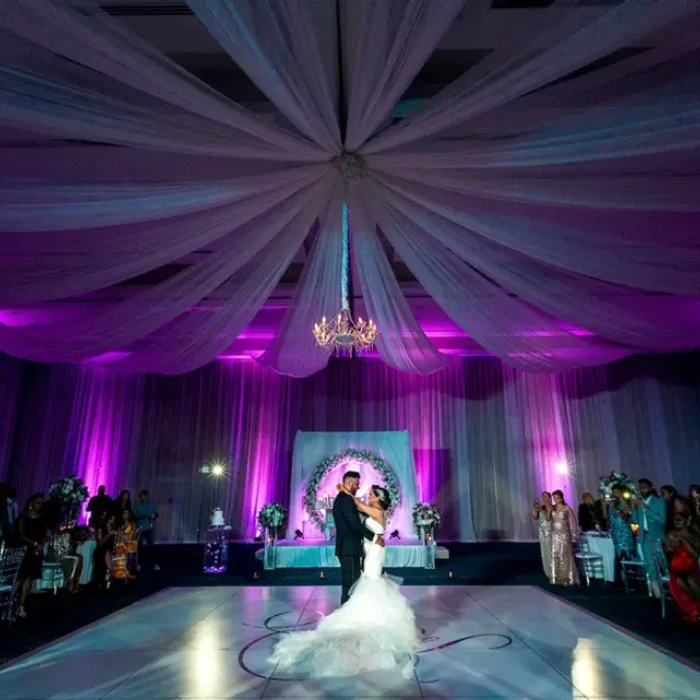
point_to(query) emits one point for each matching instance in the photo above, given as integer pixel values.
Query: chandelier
(343, 335)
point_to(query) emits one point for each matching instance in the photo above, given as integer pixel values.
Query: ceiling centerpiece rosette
(342, 335)
(542, 201)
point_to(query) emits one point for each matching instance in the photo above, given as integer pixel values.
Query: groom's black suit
(348, 544)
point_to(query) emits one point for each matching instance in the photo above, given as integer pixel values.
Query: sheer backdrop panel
(486, 438)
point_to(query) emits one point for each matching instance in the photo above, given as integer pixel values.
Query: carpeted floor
(51, 617)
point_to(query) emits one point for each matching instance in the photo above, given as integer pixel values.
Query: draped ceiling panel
(582, 223)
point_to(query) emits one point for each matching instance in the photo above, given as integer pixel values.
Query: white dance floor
(479, 642)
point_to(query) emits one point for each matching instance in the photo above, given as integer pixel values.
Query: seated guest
(694, 501)
(31, 534)
(675, 503)
(619, 515)
(590, 514)
(97, 506)
(72, 562)
(650, 515)
(683, 547)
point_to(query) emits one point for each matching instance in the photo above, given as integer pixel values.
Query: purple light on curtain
(104, 426)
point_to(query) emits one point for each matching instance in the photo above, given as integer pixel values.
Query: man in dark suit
(350, 533)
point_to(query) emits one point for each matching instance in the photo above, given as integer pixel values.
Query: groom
(349, 535)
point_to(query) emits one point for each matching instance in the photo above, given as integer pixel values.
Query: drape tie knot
(351, 166)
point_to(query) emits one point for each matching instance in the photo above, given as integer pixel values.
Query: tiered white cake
(217, 517)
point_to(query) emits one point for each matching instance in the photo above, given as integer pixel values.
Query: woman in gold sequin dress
(564, 531)
(542, 513)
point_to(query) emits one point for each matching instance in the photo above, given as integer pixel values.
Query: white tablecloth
(87, 550)
(603, 546)
(53, 574)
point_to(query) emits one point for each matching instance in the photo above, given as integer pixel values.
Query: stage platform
(316, 554)
(477, 642)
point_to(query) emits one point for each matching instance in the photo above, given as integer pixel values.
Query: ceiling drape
(580, 226)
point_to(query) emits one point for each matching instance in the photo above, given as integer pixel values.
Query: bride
(376, 628)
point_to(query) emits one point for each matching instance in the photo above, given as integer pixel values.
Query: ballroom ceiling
(483, 30)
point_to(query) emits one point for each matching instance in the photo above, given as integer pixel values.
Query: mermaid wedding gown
(374, 630)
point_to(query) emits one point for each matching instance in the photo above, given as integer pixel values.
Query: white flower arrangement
(69, 491)
(426, 516)
(272, 516)
(616, 479)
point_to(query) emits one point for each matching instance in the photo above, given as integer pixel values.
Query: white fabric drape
(293, 351)
(121, 253)
(572, 47)
(385, 44)
(586, 216)
(401, 343)
(502, 324)
(80, 31)
(584, 241)
(153, 307)
(288, 50)
(614, 312)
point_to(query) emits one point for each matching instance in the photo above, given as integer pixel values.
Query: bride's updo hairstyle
(383, 496)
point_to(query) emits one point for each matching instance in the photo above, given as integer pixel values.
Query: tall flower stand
(427, 533)
(270, 552)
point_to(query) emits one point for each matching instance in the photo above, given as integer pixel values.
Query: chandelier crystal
(343, 335)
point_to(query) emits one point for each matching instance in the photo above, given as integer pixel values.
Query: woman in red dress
(683, 548)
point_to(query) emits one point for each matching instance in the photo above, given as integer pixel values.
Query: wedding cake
(217, 517)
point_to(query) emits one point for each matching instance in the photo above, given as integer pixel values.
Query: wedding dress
(374, 630)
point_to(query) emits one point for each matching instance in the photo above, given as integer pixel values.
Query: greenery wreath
(329, 463)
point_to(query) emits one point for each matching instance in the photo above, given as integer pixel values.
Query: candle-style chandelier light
(342, 335)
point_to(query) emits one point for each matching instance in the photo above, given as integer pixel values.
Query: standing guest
(146, 513)
(619, 515)
(683, 547)
(31, 534)
(694, 497)
(564, 530)
(675, 503)
(650, 515)
(97, 506)
(106, 539)
(542, 513)
(122, 503)
(590, 514)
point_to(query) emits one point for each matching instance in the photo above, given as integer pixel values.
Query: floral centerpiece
(272, 517)
(69, 492)
(426, 516)
(616, 479)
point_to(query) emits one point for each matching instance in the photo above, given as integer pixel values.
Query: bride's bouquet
(426, 516)
(272, 516)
